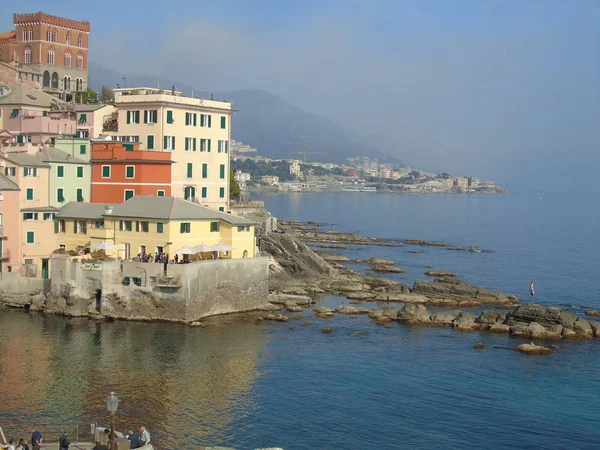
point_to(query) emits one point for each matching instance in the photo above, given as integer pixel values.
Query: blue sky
(508, 89)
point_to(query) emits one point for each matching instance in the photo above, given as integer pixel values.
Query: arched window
(55, 80)
(30, 35)
(69, 83)
(51, 57)
(65, 83)
(67, 60)
(68, 39)
(54, 36)
(79, 62)
(27, 56)
(80, 41)
(46, 79)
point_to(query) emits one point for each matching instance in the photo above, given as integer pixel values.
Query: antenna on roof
(173, 90)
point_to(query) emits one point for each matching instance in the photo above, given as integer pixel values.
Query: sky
(502, 89)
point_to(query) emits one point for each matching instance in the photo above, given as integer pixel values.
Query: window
(80, 41)
(221, 192)
(60, 226)
(190, 119)
(54, 36)
(169, 143)
(60, 171)
(15, 113)
(79, 171)
(190, 170)
(27, 56)
(29, 216)
(133, 117)
(223, 122)
(204, 170)
(205, 120)
(79, 194)
(190, 144)
(67, 60)
(29, 171)
(151, 116)
(60, 195)
(49, 216)
(129, 171)
(222, 147)
(31, 237)
(189, 193)
(222, 208)
(68, 39)
(129, 193)
(244, 228)
(160, 228)
(79, 62)
(222, 171)
(141, 226)
(82, 149)
(204, 192)
(205, 145)
(99, 224)
(170, 117)
(29, 194)
(185, 227)
(105, 171)
(125, 225)
(215, 227)
(150, 142)
(80, 227)
(160, 193)
(51, 57)
(83, 118)
(10, 171)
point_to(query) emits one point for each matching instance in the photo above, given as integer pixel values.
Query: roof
(6, 184)
(22, 94)
(40, 209)
(9, 34)
(128, 161)
(51, 154)
(25, 159)
(80, 210)
(89, 107)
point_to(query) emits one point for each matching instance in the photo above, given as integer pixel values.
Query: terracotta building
(55, 48)
(122, 170)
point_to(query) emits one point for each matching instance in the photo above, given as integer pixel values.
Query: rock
(324, 315)
(414, 252)
(431, 288)
(332, 257)
(378, 282)
(284, 299)
(569, 334)
(344, 285)
(276, 317)
(533, 349)
(465, 322)
(386, 269)
(346, 309)
(196, 324)
(293, 308)
(414, 313)
(421, 242)
(499, 328)
(306, 324)
(323, 309)
(595, 327)
(381, 320)
(490, 316)
(445, 317)
(389, 313)
(298, 317)
(462, 290)
(360, 295)
(583, 328)
(439, 273)
(381, 262)
(292, 328)
(270, 307)
(544, 315)
(479, 345)
(592, 313)
(327, 330)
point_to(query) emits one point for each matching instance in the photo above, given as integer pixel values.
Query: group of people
(36, 442)
(148, 257)
(136, 440)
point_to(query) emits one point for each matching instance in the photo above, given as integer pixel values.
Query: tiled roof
(89, 107)
(25, 159)
(22, 94)
(51, 154)
(6, 184)
(80, 210)
(9, 34)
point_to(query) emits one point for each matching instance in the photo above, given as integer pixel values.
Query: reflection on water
(182, 383)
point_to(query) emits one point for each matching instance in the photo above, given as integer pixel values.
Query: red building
(121, 170)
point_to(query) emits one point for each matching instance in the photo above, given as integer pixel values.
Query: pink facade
(9, 227)
(37, 128)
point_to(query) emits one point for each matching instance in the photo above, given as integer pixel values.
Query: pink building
(9, 228)
(33, 116)
(12, 72)
(92, 119)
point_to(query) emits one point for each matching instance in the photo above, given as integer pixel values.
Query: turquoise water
(363, 386)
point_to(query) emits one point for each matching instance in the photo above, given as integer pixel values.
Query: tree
(106, 93)
(234, 186)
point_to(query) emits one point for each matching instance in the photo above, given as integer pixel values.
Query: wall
(10, 230)
(69, 183)
(72, 146)
(39, 127)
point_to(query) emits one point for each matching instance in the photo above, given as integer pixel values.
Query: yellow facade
(197, 132)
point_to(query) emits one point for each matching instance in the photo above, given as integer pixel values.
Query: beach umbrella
(185, 250)
(106, 246)
(203, 248)
(220, 247)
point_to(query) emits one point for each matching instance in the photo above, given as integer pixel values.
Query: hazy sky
(508, 89)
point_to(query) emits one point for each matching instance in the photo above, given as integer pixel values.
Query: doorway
(98, 300)
(45, 268)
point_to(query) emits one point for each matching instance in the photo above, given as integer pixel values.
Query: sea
(245, 385)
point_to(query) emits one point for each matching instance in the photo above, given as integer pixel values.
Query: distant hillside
(265, 121)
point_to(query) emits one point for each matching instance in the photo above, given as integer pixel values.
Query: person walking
(36, 439)
(22, 445)
(134, 439)
(145, 436)
(64, 442)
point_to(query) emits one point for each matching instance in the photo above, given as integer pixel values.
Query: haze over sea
(246, 385)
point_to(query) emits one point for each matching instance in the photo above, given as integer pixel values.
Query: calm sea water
(246, 385)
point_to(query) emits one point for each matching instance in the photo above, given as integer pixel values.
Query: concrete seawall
(142, 291)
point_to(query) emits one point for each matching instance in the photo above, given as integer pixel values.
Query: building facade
(79, 148)
(56, 47)
(69, 177)
(9, 228)
(122, 170)
(148, 224)
(194, 131)
(93, 118)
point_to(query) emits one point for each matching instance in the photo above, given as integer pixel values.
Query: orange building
(122, 170)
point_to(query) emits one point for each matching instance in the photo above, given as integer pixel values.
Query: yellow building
(197, 132)
(147, 224)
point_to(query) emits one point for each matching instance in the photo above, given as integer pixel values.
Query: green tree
(106, 93)
(234, 186)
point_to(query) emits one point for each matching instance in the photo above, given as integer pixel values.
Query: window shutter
(222, 171)
(165, 143)
(82, 149)
(55, 226)
(195, 116)
(222, 192)
(204, 170)
(182, 228)
(189, 170)
(155, 116)
(202, 120)
(35, 216)
(128, 116)
(173, 139)
(121, 225)
(150, 145)
(209, 120)
(203, 192)
(209, 141)
(223, 122)
(194, 144)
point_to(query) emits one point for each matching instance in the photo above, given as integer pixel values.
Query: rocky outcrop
(439, 273)
(592, 313)
(386, 269)
(345, 309)
(429, 243)
(532, 349)
(413, 313)
(449, 290)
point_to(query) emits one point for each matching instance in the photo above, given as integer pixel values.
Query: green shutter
(195, 116)
(222, 171)
(105, 171)
(128, 116)
(194, 144)
(19, 139)
(202, 116)
(169, 116)
(182, 228)
(55, 226)
(130, 171)
(204, 170)
(60, 195)
(160, 193)
(150, 145)
(79, 195)
(35, 171)
(154, 115)
(82, 149)
(159, 227)
(173, 142)
(209, 141)
(203, 192)
(222, 192)
(190, 170)
(60, 171)
(29, 193)
(79, 172)
(128, 194)
(223, 122)
(209, 120)
(128, 147)
(121, 225)
(165, 143)
(222, 208)
(30, 237)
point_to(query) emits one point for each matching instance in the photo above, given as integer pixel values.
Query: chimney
(108, 209)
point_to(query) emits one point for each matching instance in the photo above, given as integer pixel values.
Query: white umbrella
(185, 250)
(203, 248)
(220, 247)
(106, 246)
